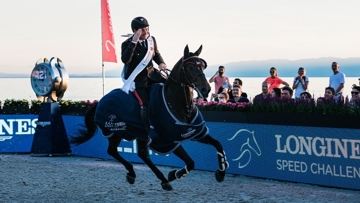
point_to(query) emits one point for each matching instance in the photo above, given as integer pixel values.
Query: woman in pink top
(274, 80)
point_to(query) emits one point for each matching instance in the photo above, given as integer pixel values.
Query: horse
(114, 115)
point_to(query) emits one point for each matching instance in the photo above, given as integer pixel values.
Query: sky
(229, 30)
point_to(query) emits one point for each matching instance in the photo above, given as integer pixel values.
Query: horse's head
(189, 72)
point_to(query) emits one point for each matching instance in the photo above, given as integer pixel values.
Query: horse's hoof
(172, 175)
(166, 186)
(130, 179)
(220, 176)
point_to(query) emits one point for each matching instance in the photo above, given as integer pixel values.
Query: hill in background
(320, 67)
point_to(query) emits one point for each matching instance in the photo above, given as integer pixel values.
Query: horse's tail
(85, 133)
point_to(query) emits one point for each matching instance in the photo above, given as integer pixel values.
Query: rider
(137, 54)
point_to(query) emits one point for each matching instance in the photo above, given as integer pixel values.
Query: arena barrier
(314, 155)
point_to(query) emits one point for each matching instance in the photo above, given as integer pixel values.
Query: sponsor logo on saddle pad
(190, 131)
(114, 126)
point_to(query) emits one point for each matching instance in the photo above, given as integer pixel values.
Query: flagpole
(102, 52)
(103, 79)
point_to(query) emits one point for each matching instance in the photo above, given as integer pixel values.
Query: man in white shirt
(337, 81)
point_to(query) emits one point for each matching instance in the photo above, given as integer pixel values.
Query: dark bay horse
(172, 114)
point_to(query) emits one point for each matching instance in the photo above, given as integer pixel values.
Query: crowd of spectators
(274, 89)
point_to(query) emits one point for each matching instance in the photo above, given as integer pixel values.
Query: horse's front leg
(114, 142)
(143, 153)
(223, 163)
(190, 164)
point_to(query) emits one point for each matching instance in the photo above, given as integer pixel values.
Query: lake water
(92, 88)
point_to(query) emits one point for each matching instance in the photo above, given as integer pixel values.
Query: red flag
(108, 44)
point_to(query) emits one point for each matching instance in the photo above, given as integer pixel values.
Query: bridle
(189, 82)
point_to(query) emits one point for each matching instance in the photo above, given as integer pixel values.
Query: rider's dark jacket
(132, 54)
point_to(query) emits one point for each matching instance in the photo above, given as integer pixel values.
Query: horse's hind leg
(223, 163)
(143, 153)
(114, 142)
(177, 174)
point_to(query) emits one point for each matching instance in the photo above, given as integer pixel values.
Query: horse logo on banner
(249, 145)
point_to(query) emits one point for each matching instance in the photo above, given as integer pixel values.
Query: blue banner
(322, 156)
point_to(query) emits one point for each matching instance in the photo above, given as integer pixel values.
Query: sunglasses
(221, 97)
(356, 93)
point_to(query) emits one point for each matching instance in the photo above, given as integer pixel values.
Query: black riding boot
(145, 118)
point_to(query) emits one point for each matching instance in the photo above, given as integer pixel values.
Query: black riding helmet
(139, 22)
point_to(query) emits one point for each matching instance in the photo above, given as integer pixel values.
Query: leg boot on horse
(223, 163)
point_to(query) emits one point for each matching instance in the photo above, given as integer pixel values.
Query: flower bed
(13, 106)
(284, 112)
(283, 106)
(67, 107)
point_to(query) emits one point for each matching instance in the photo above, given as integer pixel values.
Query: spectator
(244, 96)
(328, 96)
(276, 93)
(223, 97)
(199, 100)
(305, 96)
(337, 80)
(286, 92)
(236, 91)
(355, 97)
(274, 80)
(265, 94)
(237, 81)
(214, 97)
(301, 83)
(329, 93)
(220, 79)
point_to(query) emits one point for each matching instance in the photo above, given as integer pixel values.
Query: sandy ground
(25, 178)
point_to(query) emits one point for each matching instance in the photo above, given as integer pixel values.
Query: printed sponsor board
(323, 156)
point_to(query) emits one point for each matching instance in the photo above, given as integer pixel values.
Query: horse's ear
(198, 51)
(186, 51)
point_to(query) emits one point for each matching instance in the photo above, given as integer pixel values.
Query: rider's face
(144, 33)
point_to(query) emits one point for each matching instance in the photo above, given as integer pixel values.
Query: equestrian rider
(137, 54)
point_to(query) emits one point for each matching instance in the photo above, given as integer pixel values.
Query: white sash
(129, 84)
